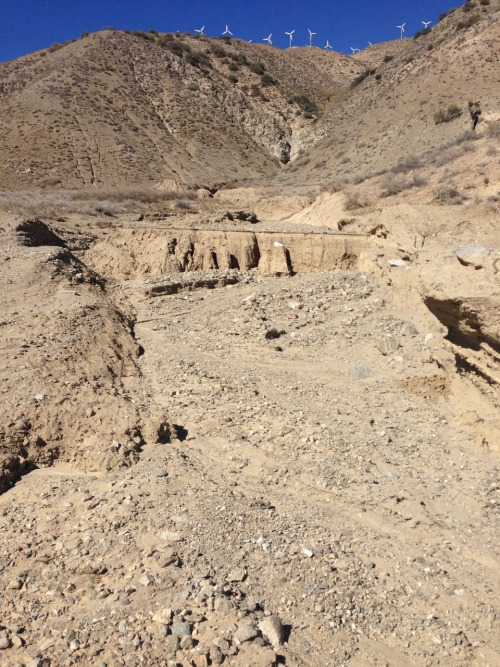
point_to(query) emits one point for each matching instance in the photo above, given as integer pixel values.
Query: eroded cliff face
(130, 253)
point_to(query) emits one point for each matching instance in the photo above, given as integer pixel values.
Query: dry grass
(109, 201)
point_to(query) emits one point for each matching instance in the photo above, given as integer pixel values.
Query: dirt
(188, 450)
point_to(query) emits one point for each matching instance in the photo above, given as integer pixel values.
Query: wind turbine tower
(227, 32)
(311, 36)
(268, 39)
(290, 34)
(327, 45)
(402, 28)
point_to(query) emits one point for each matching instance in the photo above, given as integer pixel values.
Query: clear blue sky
(29, 25)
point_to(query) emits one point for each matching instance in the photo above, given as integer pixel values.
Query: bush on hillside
(451, 112)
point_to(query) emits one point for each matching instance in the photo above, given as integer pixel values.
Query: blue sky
(29, 25)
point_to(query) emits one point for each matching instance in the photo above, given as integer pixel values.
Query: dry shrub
(110, 201)
(447, 114)
(353, 201)
(448, 194)
(493, 129)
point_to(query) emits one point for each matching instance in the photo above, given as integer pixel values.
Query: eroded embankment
(132, 252)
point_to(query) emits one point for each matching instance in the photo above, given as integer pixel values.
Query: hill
(115, 107)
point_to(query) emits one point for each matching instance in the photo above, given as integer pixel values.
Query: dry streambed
(276, 447)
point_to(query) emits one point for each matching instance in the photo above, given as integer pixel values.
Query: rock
(4, 641)
(388, 345)
(307, 552)
(401, 263)
(160, 472)
(245, 633)
(171, 537)
(163, 615)
(473, 255)
(272, 628)
(223, 604)
(181, 629)
(237, 574)
(172, 644)
(167, 557)
(360, 372)
(146, 579)
(216, 655)
(15, 584)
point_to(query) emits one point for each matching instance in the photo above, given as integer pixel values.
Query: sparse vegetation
(448, 194)
(353, 201)
(493, 129)
(447, 114)
(359, 79)
(306, 105)
(422, 33)
(468, 23)
(257, 68)
(388, 58)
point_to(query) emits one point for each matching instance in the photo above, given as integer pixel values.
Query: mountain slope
(115, 107)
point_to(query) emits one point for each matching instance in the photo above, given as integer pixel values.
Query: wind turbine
(290, 34)
(354, 50)
(311, 33)
(370, 44)
(268, 39)
(200, 31)
(426, 24)
(227, 32)
(327, 45)
(402, 28)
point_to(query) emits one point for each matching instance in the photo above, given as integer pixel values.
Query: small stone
(172, 644)
(245, 633)
(216, 655)
(237, 574)
(307, 552)
(4, 641)
(160, 472)
(167, 557)
(223, 604)
(187, 642)
(397, 263)
(360, 372)
(171, 537)
(388, 345)
(182, 629)
(272, 628)
(146, 579)
(15, 584)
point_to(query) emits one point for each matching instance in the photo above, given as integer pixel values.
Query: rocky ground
(276, 472)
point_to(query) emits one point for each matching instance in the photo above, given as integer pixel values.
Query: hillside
(114, 108)
(387, 119)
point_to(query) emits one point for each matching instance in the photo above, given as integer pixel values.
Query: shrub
(493, 129)
(255, 90)
(484, 2)
(448, 194)
(257, 68)
(467, 23)
(359, 79)
(233, 67)
(387, 59)
(353, 201)
(267, 80)
(305, 104)
(232, 78)
(144, 35)
(451, 112)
